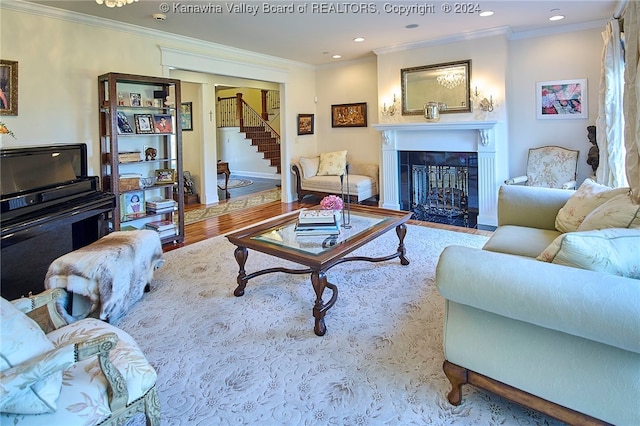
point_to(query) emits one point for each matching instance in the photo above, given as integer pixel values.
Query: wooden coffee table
(320, 252)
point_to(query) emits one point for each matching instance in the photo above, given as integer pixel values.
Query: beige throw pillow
(309, 166)
(20, 340)
(332, 163)
(618, 212)
(589, 196)
(614, 251)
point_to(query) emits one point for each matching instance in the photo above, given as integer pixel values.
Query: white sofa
(560, 339)
(363, 180)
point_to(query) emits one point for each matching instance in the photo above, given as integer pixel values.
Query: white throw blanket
(111, 272)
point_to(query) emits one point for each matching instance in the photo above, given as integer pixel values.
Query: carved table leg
(457, 377)
(241, 254)
(401, 231)
(319, 282)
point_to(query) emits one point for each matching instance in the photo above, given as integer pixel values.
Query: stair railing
(235, 112)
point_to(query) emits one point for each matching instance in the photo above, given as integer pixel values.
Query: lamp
(450, 80)
(484, 103)
(115, 3)
(391, 111)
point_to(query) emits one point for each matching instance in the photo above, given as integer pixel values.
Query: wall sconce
(391, 111)
(485, 104)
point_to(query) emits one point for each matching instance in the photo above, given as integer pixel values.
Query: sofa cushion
(589, 196)
(618, 212)
(331, 184)
(309, 166)
(520, 240)
(20, 340)
(332, 163)
(614, 251)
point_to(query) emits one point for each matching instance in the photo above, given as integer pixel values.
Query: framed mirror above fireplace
(446, 83)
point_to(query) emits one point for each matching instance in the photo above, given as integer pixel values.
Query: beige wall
(574, 55)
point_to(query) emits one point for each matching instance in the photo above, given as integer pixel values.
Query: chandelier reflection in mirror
(450, 80)
(115, 3)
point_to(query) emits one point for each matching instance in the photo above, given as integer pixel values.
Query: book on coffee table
(317, 216)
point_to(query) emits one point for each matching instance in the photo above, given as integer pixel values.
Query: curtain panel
(632, 97)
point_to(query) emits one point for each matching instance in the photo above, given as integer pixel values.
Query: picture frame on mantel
(349, 115)
(8, 87)
(562, 99)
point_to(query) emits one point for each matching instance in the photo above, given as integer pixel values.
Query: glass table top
(285, 235)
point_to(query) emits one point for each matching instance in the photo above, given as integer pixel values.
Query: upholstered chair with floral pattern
(85, 373)
(550, 167)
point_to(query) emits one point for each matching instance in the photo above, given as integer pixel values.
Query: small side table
(223, 167)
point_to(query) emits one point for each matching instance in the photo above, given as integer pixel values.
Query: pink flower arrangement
(331, 202)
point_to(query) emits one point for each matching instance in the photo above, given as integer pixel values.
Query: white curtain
(610, 121)
(632, 96)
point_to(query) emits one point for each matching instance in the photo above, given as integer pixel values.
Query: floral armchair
(550, 167)
(84, 373)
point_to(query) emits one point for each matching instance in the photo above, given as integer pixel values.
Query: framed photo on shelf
(133, 205)
(144, 123)
(186, 117)
(165, 176)
(136, 99)
(562, 99)
(305, 124)
(123, 123)
(163, 123)
(8, 87)
(349, 115)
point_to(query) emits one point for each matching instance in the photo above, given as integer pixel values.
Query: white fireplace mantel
(452, 136)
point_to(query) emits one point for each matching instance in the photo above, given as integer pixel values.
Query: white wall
(566, 56)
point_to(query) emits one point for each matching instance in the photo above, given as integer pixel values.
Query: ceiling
(312, 33)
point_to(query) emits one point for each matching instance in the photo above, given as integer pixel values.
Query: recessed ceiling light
(486, 13)
(336, 56)
(358, 39)
(411, 26)
(555, 16)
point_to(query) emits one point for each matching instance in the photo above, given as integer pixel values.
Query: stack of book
(160, 205)
(165, 228)
(317, 222)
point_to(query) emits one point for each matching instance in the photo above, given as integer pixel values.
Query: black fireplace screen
(440, 187)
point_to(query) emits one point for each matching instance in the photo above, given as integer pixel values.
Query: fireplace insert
(440, 187)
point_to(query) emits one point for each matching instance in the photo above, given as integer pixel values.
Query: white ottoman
(111, 273)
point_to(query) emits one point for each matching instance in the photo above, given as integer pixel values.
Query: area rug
(254, 360)
(231, 205)
(235, 183)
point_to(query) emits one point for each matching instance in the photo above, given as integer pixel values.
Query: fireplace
(470, 141)
(440, 187)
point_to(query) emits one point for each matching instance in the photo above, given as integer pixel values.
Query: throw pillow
(309, 166)
(586, 198)
(332, 163)
(20, 340)
(618, 212)
(613, 251)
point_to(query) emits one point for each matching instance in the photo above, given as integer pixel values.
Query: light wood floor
(220, 225)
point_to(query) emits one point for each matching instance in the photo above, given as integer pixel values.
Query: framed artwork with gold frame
(8, 87)
(349, 115)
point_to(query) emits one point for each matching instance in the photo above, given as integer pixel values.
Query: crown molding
(559, 30)
(210, 47)
(472, 35)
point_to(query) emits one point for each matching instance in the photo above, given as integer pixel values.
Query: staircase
(235, 112)
(266, 143)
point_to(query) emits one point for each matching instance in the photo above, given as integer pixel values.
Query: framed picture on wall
(349, 115)
(562, 99)
(186, 117)
(8, 87)
(305, 124)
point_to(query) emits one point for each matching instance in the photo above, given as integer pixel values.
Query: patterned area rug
(235, 183)
(263, 197)
(252, 360)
